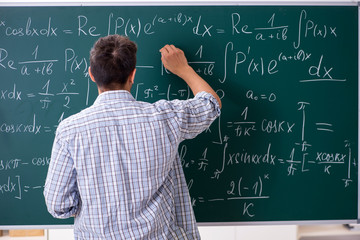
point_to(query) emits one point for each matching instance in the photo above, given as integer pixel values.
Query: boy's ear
(91, 76)
(132, 76)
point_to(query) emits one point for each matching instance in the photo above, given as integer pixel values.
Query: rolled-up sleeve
(61, 191)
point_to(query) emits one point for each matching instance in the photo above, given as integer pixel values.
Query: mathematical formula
(273, 123)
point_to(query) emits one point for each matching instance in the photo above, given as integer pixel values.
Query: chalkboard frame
(182, 3)
(358, 3)
(215, 3)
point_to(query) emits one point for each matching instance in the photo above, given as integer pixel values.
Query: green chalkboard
(285, 147)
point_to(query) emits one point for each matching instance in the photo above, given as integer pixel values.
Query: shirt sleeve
(61, 192)
(195, 115)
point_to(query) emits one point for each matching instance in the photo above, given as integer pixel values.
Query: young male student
(115, 166)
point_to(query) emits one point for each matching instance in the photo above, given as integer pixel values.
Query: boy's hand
(174, 60)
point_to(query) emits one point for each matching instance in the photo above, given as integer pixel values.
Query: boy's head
(112, 60)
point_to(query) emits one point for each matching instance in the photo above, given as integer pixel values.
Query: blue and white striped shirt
(116, 168)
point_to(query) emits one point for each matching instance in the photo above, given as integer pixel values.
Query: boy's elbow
(57, 209)
(57, 212)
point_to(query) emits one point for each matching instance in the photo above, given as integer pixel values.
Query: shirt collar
(114, 95)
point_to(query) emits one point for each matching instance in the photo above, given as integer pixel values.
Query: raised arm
(175, 61)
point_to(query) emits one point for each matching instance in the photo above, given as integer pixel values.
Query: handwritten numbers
(67, 100)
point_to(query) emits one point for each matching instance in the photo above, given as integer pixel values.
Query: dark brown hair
(112, 59)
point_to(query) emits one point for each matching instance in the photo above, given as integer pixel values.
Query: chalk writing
(287, 78)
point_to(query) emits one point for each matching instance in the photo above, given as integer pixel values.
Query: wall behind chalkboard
(285, 147)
